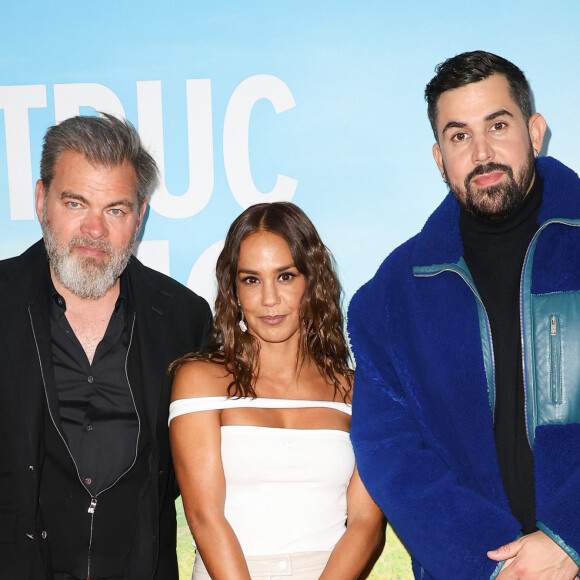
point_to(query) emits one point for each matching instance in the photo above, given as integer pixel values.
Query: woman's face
(270, 287)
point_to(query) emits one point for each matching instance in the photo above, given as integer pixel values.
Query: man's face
(486, 150)
(90, 219)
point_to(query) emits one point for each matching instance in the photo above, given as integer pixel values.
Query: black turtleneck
(495, 253)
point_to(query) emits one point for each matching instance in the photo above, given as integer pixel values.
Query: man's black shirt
(494, 253)
(97, 411)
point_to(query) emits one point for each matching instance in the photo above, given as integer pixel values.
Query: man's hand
(534, 557)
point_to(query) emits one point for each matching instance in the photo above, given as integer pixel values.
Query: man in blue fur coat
(466, 415)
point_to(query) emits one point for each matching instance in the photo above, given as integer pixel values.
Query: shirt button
(59, 300)
(89, 427)
(88, 480)
(44, 534)
(90, 378)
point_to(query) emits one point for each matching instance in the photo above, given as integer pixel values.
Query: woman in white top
(259, 424)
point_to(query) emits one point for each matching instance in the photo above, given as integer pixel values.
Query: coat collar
(439, 242)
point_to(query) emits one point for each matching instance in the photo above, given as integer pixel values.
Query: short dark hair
(103, 140)
(472, 67)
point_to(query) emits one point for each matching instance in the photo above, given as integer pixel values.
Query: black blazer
(170, 320)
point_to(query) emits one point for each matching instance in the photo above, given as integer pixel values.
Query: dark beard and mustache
(84, 276)
(497, 202)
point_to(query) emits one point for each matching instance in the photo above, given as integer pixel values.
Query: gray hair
(103, 140)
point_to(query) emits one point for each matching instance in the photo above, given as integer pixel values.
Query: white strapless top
(285, 488)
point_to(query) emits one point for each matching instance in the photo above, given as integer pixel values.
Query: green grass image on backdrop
(393, 564)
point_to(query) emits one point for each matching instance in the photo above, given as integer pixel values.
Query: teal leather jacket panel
(550, 324)
(551, 344)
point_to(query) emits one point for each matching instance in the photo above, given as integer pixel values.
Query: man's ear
(142, 211)
(537, 128)
(40, 198)
(437, 155)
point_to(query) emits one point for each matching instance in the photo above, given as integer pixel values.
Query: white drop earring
(242, 323)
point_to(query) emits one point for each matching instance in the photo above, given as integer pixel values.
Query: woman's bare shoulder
(320, 386)
(200, 379)
(344, 395)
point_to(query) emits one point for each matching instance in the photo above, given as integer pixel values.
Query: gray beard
(85, 277)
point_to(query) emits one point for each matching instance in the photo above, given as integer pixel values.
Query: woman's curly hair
(322, 329)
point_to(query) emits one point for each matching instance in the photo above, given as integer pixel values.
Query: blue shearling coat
(424, 395)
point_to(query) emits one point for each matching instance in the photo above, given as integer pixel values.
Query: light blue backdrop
(320, 102)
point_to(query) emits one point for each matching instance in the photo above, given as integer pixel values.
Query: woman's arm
(365, 527)
(196, 448)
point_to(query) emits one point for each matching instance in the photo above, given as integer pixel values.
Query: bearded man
(86, 479)
(466, 414)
